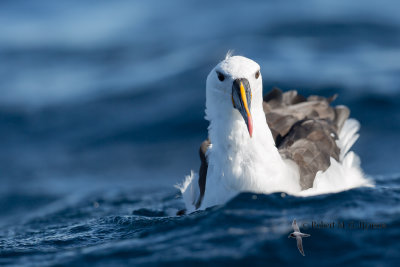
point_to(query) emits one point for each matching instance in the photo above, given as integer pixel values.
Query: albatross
(282, 142)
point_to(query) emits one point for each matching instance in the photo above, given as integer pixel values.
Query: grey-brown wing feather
(305, 130)
(202, 171)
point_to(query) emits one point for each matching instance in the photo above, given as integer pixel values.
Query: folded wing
(305, 130)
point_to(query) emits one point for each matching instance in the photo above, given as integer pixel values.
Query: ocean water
(102, 113)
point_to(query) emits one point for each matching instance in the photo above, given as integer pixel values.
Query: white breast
(238, 163)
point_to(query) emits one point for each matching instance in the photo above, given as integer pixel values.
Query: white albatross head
(234, 88)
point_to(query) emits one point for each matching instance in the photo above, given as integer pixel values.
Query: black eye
(257, 74)
(221, 77)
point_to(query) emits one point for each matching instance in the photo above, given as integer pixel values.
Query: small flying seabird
(282, 142)
(298, 235)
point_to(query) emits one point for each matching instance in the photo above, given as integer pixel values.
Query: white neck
(240, 162)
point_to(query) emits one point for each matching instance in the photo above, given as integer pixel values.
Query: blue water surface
(102, 112)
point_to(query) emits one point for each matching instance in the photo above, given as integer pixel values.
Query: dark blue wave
(251, 229)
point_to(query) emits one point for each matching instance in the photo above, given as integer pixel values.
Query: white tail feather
(190, 190)
(348, 136)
